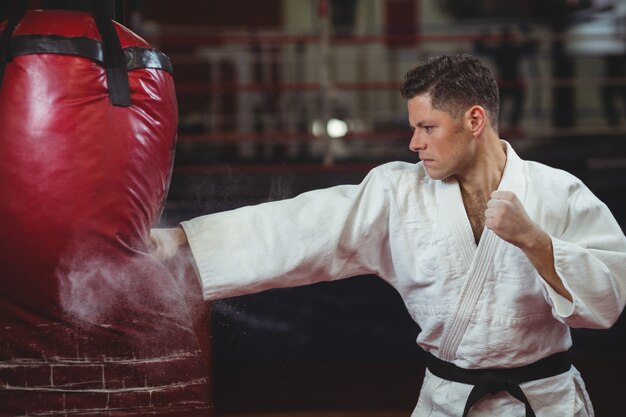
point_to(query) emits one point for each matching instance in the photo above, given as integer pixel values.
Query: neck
(485, 172)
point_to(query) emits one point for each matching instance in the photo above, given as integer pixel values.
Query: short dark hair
(455, 83)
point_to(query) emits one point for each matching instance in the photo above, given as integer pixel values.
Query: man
(494, 257)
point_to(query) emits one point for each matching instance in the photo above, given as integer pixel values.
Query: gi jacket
(478, 306)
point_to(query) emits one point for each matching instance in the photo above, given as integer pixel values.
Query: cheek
(447, 150)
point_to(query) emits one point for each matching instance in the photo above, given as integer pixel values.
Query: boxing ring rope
(185, 35)
(264, 69)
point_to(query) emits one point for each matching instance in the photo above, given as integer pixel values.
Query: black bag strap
(114, 59)
(16, 12)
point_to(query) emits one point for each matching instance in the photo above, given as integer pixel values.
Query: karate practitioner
(495, 257)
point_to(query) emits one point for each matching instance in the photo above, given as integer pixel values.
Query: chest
(475, 209)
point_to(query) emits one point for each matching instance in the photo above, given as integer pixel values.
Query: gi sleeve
(320, 235)
(590, 259)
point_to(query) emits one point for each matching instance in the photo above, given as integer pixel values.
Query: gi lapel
(477, 260)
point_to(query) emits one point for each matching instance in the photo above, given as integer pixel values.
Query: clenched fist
(171, 248)
(165, 244)
(506, 216)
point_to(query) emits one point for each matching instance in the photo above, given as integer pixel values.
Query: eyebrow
(421, 123)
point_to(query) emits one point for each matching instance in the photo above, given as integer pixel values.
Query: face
(444, 145)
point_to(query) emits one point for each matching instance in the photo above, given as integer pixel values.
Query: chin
(434, 175)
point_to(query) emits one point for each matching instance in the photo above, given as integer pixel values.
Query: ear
(476, 120)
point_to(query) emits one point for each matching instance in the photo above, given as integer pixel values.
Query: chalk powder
(128, 290)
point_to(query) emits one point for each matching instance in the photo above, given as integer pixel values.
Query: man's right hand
(165, 244)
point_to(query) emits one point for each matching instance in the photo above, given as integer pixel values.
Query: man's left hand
(506, 216)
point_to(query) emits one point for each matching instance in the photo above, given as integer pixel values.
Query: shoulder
(398, 170)
(559, 201)
(540, 177)
(404, 181)
(552, 179)
(561, 189)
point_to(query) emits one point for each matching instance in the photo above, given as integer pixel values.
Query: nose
(416, 144)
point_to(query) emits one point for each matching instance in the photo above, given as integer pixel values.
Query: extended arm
(321, 235)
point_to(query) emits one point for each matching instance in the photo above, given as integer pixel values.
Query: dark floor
(373, 390)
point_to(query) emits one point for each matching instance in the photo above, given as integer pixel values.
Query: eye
(428, 129)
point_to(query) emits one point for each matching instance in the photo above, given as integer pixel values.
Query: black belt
(493, 381)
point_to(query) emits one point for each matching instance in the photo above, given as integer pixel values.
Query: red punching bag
(90, 323)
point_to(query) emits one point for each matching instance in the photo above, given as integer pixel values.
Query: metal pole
(325, 81)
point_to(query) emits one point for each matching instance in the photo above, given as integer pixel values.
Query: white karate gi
(477, 306)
